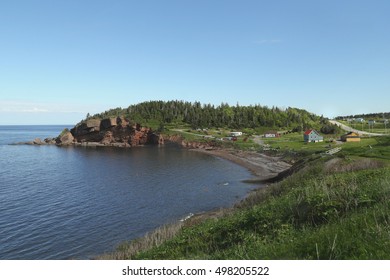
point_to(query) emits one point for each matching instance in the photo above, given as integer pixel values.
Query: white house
(312, 136)
(235, 133)
(359, 120)
(271, 134)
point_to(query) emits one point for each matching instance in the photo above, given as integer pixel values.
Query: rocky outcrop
(198, 145)
(65, 138)
(159, 138)
(179, 140)
(88, 130)
(93, 125)
(108, 123)
(109, 132)
(38, 141)
(108, 138)
(117, 132)
(50, 141)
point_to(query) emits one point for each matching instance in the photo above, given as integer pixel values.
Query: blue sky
(60, 60)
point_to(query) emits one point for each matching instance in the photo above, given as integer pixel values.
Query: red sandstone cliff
(109, 132)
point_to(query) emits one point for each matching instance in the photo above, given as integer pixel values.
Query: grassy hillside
(333, 208)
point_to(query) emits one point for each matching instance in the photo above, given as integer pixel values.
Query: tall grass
(127, 250)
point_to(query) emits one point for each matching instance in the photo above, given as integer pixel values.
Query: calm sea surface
(74, 203)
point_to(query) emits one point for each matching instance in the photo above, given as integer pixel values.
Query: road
(348, 128)
(183, 131)
(195, 134)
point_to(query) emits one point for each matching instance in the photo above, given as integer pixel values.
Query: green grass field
(375, 147)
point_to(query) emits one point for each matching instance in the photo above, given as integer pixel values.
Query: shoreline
(263, 167)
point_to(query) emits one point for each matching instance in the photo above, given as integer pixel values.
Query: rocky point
(109, 132)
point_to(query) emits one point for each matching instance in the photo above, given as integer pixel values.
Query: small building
(271, 134)
(312, 136)
(350, 137)
(359, 120)
(230, 138)
(235, 133)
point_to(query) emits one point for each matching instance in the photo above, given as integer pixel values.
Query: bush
(330, 129)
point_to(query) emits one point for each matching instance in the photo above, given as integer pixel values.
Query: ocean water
(76, 203)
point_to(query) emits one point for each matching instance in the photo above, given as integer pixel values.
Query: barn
(350, 137)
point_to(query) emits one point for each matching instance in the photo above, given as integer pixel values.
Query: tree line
(199, 115)
(375, 116)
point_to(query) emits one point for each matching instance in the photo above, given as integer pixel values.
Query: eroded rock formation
(109, 132)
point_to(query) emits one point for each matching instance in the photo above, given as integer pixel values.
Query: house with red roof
(312, 136)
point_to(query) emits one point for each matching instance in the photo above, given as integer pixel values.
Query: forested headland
(159, 113)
